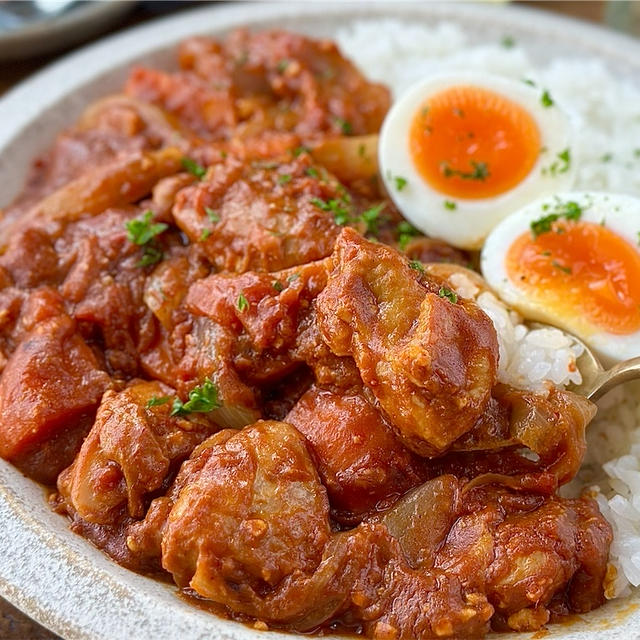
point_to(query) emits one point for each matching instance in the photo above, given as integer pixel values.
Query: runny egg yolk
(471, 142)
(582, 271)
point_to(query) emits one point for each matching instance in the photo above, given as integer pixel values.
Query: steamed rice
(607, 109)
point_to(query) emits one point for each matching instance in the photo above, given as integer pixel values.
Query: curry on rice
(236, 365)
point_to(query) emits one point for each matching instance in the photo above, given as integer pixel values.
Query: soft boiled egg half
(573, 261)
(458, 153)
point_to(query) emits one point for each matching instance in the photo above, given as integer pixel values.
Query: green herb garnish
(202, 399)
(480, 171)
(341, 214)
(405, 232)
(195, 169)
(561, 165)
(141, 231)
(277, 285)
(243, 303)
(401, 182)
(371, 218)
(451, 296)
(345, 125)
(557, 265)
(450, 205)
(285, 178)
(154, 401)
(508, 42)
(212, 215)
(205, 234)
(546, 99)
(312, 171)
(570, 210)
(416, 265)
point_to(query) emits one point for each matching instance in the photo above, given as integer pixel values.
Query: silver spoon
(596, 380)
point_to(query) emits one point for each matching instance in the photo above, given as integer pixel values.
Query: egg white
(467, 225)
(618, 213)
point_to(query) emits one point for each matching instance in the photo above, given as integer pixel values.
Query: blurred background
(34, 33)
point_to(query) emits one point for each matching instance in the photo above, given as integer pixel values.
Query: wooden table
(13, 624)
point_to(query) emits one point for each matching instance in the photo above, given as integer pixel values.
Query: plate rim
(67, 75)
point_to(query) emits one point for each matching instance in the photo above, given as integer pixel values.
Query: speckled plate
(57, 577)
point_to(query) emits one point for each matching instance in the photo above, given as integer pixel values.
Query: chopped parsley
(546, 99)
(570, 210)
(141, 231)
(154, 401)
(202, 399)
(292, 277)
(607, 157)
(508, 42)
(451, 296)
(277, 285)
(345, 126)
(416, 265)
(195, 169)
(300, 150)
(151, 255)
(341, 214)
(401, 182)
(405, 232)
(562, 268)
(450, 205)
(205, 234)
(281, 67)
(480, 171)
(371, 218)
(211, 214)
(312, 171)
(528, 81)
(242, 303)
(561, 165)
(639, 237)
(285, 178)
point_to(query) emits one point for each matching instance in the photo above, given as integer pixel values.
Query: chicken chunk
(260, 215)
(255, 514)
(130, 452)
(430, 361)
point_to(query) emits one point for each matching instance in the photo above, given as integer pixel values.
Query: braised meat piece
(359, 459)
(246, 525)
(257, 514)
(430, 361)
(253, 83)
(129, 453)
(262, 215)
(49, 384)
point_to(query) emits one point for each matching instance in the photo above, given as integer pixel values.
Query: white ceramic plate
(57, 577)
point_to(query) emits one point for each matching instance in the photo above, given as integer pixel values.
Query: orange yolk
(469, 142)
(582, 271)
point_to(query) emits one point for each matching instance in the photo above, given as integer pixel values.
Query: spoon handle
(621, 372)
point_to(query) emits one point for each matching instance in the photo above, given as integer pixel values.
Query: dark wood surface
(13, 624)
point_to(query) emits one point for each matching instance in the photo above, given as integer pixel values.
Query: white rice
(607, 110)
